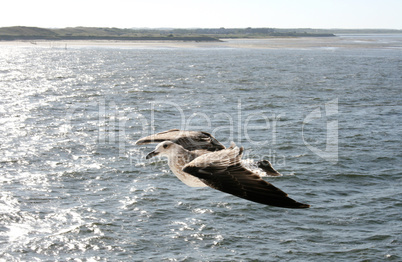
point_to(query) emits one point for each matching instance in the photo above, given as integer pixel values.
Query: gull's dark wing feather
(266, 166)
(223, 171)
(190, 140)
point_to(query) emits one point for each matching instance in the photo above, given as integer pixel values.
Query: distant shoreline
(118, 34)
(108, 38)
(207, 35)
(328, 43)
(151, 38)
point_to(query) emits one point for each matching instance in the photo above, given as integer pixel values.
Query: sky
(347, 14)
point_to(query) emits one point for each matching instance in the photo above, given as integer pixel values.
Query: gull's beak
(152, 154)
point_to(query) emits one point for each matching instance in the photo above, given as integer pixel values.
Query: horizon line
(192, 28)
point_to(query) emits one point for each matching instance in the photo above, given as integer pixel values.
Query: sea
(75, 187)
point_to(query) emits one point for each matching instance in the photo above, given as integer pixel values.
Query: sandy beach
(345, 41)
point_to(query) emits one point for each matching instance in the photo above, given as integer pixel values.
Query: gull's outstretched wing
(222, 170)
(190, 140)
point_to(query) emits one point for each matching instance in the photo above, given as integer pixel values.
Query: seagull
(199, 160)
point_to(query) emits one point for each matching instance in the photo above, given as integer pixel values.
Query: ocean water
(74, 187)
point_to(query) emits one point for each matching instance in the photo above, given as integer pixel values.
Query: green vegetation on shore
(90, 33)
(100, 33)
(197, 34)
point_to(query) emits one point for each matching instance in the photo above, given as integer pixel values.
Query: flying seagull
(199, 160)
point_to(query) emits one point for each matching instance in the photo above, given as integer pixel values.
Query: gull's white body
(178, 157)
(176, 165)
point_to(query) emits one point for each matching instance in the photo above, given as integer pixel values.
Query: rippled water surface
(73, 185)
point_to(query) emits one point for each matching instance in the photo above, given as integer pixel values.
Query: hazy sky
(204, 13)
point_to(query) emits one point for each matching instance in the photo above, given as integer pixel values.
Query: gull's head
(165, 148)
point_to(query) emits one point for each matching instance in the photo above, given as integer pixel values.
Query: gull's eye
(165, 146)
